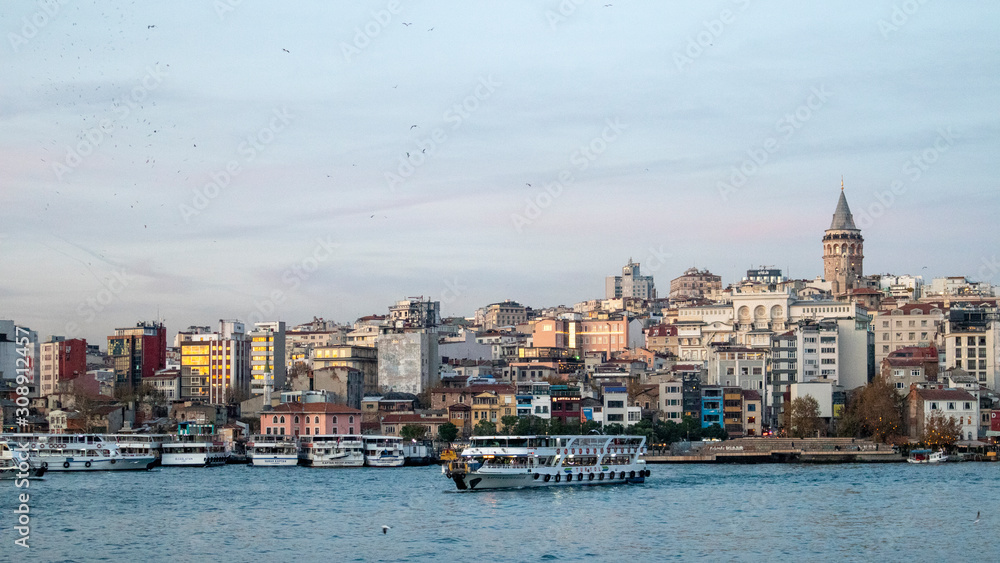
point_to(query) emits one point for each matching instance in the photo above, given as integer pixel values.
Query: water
(743, 513)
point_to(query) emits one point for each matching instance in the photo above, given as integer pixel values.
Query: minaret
(843, 249)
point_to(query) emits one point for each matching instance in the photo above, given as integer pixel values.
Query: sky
(196, 161)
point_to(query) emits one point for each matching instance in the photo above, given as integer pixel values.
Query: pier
(778, 450)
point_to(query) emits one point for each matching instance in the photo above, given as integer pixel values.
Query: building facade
(267, 356)
(137, 352)
(630, 284)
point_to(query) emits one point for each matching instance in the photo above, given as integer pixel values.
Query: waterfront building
(62, 361)
(408, 361)
(615, 403)
(694, 284)
(493, 404)
(215, 365)
(566, 403)
(393, 424)
(20, 352)
(959, 404)
(711, 405)
(168, 382)
(267, 357)
(630, 284)
(345, 385)
(310, 419)
(752, 413)
(830, 397)
(671, 400)
(137, 352)
(843, 250)
(361, 358)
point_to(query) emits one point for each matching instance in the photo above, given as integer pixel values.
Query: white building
(616, 405)
(408, 362)
(671, 405)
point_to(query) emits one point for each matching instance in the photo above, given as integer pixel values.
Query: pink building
(608, 336)
(310, 419)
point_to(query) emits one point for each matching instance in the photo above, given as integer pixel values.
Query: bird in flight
(412, 126)
(527, 184)
(150, 26)
(407, 24)
(431, 29)
(286, 50)
(385, 529)
(977, 518)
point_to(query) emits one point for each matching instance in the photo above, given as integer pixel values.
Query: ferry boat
(384, 451)
(503, 462)
(79, 452)
(332, 450)
(12, 463)
(140, 445)
(926, 456)
(195, 445)
(272, 450)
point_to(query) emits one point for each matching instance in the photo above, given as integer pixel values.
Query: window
(968, 406)
(951, 406)
(958, 352)
(616, 404)
(914, 373)
(307, 430)
(752, 408)
(296, 419)
(934, 406)
(899, 385)
(350, 430)
(282, 419)
(350, 419)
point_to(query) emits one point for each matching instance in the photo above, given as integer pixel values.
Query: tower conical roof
(842, 218)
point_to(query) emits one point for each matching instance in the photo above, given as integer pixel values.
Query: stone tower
(843, 249)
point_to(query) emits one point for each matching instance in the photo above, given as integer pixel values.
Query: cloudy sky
(193, 161)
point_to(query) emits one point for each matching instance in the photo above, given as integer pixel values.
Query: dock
(779, 450)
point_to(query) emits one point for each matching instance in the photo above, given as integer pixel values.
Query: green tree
(531, 425)
(804, 417)
(485, 428)
(713, 432)
(413, 432)
(447, 432)
(509, 423)
(614, 429)
(590, 426)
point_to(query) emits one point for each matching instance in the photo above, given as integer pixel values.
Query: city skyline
(530, 177)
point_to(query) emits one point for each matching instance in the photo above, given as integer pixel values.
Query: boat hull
(274, 461)
(192, 460)
(70, 463)
(385, 461)
(478, 481)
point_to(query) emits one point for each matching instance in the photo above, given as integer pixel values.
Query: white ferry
(79, 452)
(384, 451)
(272, 450)
(503, 462)
(332, 450)
(141, 445)
(13, 462)
(195, 445)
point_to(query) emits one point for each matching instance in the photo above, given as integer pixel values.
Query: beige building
(361, 358)
(508, 313)
(695, 284)
(915, 324)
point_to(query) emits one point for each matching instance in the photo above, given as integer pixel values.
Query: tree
(590, 426)
(509, 423)
(485, 428)
(531, 425)
(875, 411)
(614, 429)
(715, 432)
(447, 432)
(413, 432)
(941, 431)
(804, 417)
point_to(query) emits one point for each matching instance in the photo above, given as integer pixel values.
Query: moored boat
(503, 462)
(384, 451)
(926, 456)
(195, 445)
(79, 452)
(272, 450)
(332, 450)
(16, 464)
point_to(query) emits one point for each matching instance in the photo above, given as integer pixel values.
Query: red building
(310, 419)
(138, 352)
(565, 403)
(61, 361)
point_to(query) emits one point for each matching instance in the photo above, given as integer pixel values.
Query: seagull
(286, 50)
(385, 529)
(412, 126)
(977, 518)
(431, 29)
(150, 26)
(407, 24)
(527, 184)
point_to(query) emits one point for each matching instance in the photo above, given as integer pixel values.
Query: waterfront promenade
(778, 450)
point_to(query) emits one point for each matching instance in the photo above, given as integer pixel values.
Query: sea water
(685, 512)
